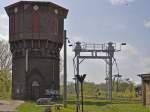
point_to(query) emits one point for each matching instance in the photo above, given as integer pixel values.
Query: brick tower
(36, 38)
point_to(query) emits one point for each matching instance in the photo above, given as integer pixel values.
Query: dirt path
(9, 106)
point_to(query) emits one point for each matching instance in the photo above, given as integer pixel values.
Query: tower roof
(47, 3)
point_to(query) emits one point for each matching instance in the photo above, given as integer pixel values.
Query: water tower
(36, 38)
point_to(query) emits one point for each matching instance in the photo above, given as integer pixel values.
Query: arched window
(35, 83)
(36, 22)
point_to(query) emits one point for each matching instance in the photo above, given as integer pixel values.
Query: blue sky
(101, 21)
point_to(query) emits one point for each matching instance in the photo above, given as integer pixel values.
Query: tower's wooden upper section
(36, 20)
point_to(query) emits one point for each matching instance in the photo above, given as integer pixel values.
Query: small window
(27, 22)
(18, 90)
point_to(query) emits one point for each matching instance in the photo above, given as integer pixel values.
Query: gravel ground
(9, 106)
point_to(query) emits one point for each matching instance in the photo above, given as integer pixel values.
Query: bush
(5, 83)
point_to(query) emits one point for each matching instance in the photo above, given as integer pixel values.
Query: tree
(5, 55)
(5, 82)
(5, 69)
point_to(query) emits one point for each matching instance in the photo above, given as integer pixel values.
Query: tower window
(55, 25)
(12, 24)
(17, 23)
(36, 23)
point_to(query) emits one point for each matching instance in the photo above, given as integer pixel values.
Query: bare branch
(5, 55)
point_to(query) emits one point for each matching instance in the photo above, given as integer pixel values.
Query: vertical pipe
(117, 84)
(77, 85)
(107, 88)
(65, 70)
(53, 68)
(82, 94)
(27, 60)
(110, 78)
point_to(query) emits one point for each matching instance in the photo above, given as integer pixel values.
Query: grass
(93, 105)
(30, 107)
(6, 96)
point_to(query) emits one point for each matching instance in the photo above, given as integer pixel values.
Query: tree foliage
(125, 89)
(5, 83)
(5, 69)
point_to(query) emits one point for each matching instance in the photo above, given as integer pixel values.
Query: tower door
(35, 89)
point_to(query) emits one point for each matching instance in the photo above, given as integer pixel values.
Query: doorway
(35, 90)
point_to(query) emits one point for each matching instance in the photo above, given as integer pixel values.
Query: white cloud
(147, 24)
(5, 37)
(1, 36)
(120, 2)
(132, 62)
(4, 26)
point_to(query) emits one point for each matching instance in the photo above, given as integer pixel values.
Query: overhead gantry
(94, 51)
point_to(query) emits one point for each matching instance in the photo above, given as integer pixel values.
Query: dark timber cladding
(146, 89)
(36, 37)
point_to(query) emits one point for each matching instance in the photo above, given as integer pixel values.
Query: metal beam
(94, 57)
(85, 50)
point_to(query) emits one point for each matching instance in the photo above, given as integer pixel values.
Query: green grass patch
(93, 105)
(30, 107)
(5, 96)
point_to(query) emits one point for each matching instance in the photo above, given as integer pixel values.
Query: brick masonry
(36, 38)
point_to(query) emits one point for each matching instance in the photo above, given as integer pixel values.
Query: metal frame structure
(94, 51)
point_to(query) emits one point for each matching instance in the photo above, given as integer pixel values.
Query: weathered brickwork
(36, 38)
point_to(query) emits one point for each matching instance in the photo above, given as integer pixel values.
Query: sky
(102, 21)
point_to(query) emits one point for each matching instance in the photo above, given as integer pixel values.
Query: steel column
(65, 69)
(78, 91)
